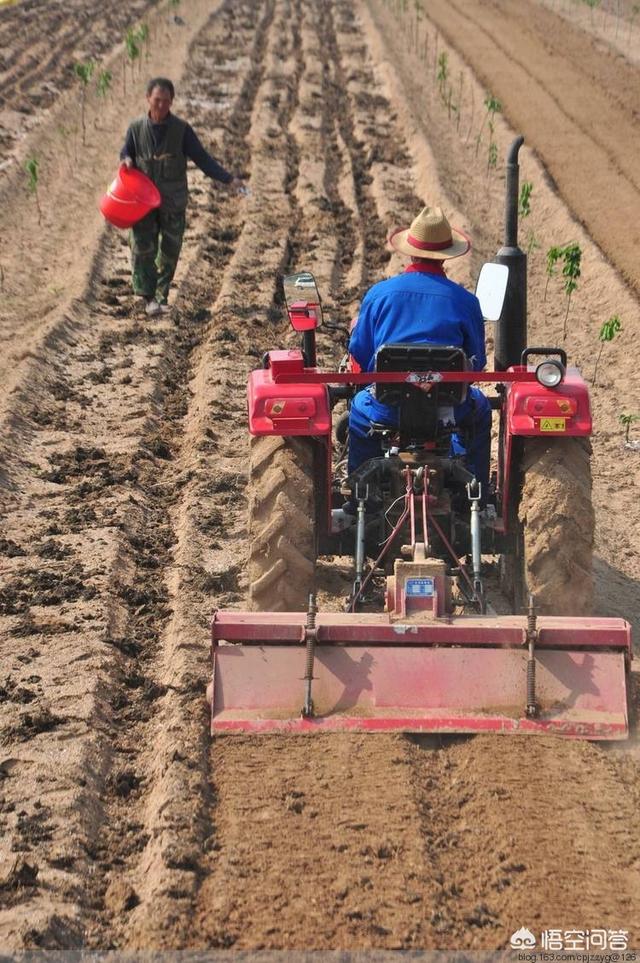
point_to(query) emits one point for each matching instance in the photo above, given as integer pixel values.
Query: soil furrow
(33, 80)
(568, 117)
(600, 294)
(365, 879)
(174, 809)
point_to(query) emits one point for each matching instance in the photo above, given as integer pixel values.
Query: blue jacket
(417, 307)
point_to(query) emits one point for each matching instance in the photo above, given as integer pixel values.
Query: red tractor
(423, 649)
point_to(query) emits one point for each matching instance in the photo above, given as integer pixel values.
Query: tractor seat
(423, 415)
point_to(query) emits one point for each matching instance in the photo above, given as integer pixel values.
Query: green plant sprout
(143, 35)
(443, 72)
(103, 83)
(572, 257)
(524, 210)
(451, 107)
(492, 152)
(67, 136)
(524, 200)
(132, 47)
(592, 4)
(84, 73)
(607, 333)
(32, 167)
(553, 256)
(626, 420)
(493, 107)
(532, 243)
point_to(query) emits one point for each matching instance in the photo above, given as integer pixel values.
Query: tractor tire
(282, 523)
(555, 527)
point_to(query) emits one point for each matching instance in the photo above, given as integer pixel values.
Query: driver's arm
(361, 344)
(473, 343)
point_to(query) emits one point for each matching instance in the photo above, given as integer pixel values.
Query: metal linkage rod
(311, 636)
(532, 636)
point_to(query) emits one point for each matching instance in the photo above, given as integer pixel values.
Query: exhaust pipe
(511, 328)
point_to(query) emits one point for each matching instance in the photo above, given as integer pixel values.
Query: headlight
(550, 373)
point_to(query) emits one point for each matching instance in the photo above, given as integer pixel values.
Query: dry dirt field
(123, 455)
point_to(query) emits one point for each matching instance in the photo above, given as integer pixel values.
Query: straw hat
(430, 236)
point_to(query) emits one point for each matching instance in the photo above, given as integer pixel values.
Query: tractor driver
(420, 306)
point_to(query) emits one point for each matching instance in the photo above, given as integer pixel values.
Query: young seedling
(607, 333)
(553, 256)
(626, 420)
(144, 37)
(32, 167)
(103, 83)
(67, 136)
(451, 107)
(132, 48)
(442, 73)
(84, 73)
(572, 257)
(524, 210)
(592, 4)
(492, 151)
(532, 243)
(493, 107)
(524, 200)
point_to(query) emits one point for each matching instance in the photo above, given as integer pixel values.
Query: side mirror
(491, 289)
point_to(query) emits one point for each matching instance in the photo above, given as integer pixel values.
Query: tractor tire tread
(282, 546)
(557, 523)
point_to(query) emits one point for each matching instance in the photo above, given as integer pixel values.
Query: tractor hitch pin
(310, 637)
(360, 539)
(474, 491)
(532, 636)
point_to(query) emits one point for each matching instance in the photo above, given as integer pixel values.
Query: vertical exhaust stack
(511, 329)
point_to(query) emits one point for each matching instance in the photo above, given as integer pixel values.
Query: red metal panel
(315, 376)
(260, 689)
(530, 405)
(371, 629)
(286, 409)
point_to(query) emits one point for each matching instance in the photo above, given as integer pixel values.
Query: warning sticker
(553, 424)
(419, 586)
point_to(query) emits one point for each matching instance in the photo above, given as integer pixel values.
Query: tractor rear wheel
(555, 527)
(282, 523)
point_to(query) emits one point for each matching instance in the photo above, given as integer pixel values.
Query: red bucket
(129, 198)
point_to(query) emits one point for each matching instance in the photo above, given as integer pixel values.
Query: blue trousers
(473, 441)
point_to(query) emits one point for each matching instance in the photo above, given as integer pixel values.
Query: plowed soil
(123, 461)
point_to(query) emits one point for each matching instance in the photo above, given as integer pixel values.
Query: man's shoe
(164, 307)
(153, 309)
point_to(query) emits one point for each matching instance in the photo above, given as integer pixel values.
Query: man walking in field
(159, 144)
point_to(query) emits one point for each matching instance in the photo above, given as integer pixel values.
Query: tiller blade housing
(404, 672)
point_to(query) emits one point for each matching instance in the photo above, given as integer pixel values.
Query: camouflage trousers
(155, 248)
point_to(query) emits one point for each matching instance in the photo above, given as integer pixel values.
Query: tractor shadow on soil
(618, 596)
